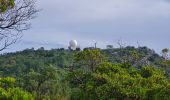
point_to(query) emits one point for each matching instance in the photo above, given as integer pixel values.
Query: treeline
(94, 74)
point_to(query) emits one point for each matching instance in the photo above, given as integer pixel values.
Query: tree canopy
(96, 74)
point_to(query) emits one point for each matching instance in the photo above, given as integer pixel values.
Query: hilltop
(93, 73)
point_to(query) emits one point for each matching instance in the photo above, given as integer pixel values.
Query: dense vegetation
(94, 74)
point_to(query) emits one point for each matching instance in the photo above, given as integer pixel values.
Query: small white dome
(73, 44)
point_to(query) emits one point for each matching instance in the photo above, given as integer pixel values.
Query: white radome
(73, 44)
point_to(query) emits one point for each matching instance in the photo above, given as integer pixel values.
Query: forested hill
(94, 74)
(63, 57)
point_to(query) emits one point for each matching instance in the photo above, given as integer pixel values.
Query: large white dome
(73, 44)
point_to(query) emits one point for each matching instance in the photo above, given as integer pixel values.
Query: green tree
(90, 59)
(48, 83)
(114, 81)
(9, 92)
(5, 4)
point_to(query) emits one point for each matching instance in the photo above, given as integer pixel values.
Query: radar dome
(73, 44)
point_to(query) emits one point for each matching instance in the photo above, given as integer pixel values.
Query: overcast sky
(103, 21)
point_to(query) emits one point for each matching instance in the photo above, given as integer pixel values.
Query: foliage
(47, 83)
(9, 92)
(95, 74)
(5, 4)
(89, 58)
(112, 81)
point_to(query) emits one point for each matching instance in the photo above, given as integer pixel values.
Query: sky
(135, 22)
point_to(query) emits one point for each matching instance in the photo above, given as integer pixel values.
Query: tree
(165, 53)
(89, 58)
(9, 92)
(5, 4)
(46, 83)
(15, 20)
(109, 46)
(115, 82)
